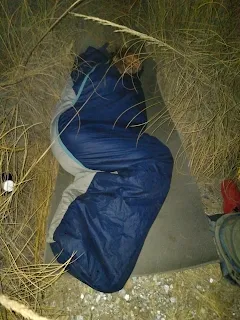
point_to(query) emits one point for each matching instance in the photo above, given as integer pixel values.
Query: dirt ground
(192, 294)
(211, 197)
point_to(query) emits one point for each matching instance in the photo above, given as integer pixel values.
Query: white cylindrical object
(8, 185)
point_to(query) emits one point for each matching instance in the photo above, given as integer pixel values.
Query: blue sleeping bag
(104, 222)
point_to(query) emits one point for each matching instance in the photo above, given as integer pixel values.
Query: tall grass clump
(32, 76)
(200, 83)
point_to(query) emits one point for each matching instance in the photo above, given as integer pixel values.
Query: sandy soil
(192, 294)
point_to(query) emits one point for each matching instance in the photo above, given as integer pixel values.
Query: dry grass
(198, 298)
(24, 212)
(200, 89)
(28, 93)
(196, 46)
(200, 84)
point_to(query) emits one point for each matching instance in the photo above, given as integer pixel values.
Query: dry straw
(197, 52)
(28, 94)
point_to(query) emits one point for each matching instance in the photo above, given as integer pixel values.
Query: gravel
(192, 294)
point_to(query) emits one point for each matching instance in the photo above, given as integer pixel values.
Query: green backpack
(227, 238)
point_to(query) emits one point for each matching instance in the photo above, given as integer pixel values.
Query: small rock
(79, 317)
(128, 285)
(166, 288)
(127, 297)
(53, 304)
(92, 308)
(173, 300)
(211, 280)
(98, 298)
(122, 292)
(82, 296)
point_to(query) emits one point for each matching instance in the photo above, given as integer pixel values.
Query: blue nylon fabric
(107, 225)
